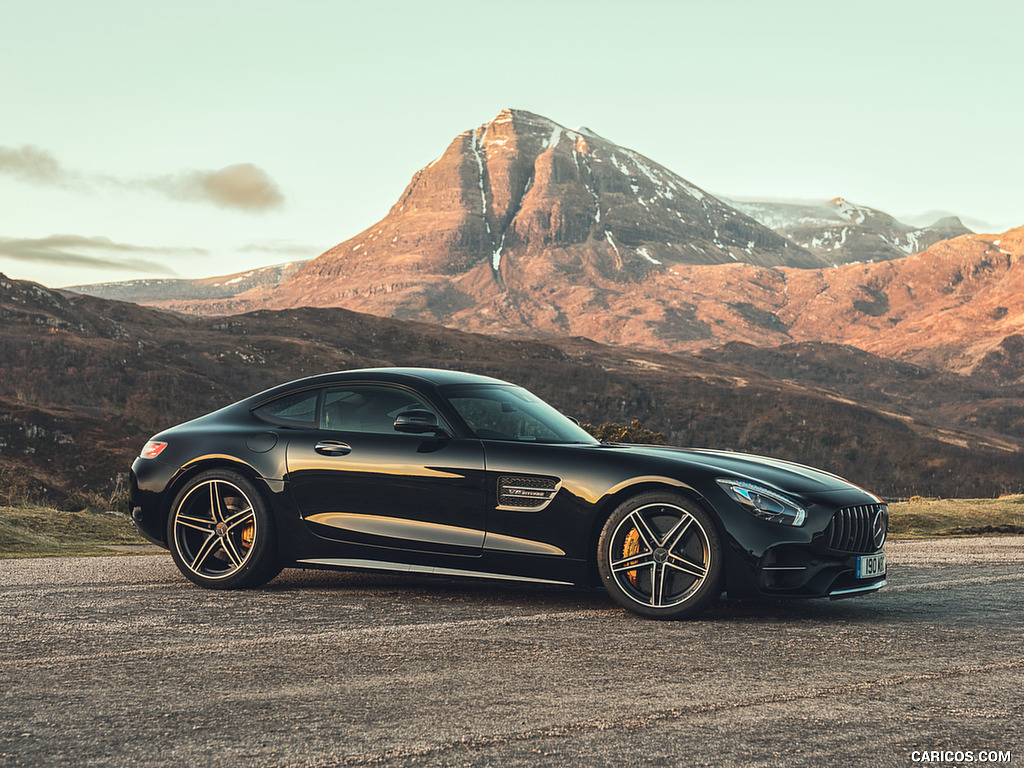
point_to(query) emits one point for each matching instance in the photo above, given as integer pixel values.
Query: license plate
(870, 566)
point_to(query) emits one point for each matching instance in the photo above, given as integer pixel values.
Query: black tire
(660, 556)
(221, 534)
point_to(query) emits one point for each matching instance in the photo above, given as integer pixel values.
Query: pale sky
(197, 138)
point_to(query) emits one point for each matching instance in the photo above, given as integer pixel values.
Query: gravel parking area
(119, 661)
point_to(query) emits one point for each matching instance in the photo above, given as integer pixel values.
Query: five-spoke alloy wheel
(220, 533)
(659, 555)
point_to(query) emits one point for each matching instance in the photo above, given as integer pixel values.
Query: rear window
(296, 410)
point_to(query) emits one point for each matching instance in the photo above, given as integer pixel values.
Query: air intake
(526, 493)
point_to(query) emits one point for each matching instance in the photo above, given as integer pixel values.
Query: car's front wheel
(660, 556)
(220, 532)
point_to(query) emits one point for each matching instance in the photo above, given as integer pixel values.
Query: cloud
(99, 253)
(814, 202)
(244, 186)
(34, 165)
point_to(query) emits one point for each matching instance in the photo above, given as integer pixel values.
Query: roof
(435, 376)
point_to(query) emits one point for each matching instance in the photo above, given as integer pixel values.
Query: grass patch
(34, 531)
(31, 530)
(921, 517)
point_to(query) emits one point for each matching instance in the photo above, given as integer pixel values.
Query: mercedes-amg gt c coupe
(440, 472)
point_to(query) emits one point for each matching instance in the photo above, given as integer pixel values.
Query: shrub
(636, 432)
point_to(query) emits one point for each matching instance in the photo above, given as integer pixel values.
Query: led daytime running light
(764, 503)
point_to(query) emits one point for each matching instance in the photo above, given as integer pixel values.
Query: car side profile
(441, 472)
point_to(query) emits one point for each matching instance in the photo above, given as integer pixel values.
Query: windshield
(505, 412)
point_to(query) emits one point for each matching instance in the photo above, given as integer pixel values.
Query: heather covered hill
(974, 403)
(85, 381)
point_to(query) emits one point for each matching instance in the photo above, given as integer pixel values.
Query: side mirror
(417, 422)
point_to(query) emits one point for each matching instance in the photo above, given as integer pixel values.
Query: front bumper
(797, 571)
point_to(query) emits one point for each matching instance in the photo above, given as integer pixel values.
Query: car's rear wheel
(660, 556)
(220, 532)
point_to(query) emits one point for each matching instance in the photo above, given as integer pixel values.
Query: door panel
(390, 490)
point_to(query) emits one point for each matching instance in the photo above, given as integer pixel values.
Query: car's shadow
(540, 598)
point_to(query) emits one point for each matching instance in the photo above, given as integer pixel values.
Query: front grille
(852, 529)
(525, 492)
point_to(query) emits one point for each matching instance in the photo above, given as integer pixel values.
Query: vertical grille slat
(850, 529)
(864, 541)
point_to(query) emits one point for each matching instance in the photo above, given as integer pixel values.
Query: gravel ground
(119, 661)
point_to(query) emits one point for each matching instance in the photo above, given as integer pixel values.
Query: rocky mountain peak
(518, 205)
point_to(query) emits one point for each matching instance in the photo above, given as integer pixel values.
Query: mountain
(514, 211)
(524, 228)
(841, 232)
(157, 290)
(85, 381)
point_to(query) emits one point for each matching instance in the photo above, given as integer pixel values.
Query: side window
(499, 415)
(366, 408)
(297, 410)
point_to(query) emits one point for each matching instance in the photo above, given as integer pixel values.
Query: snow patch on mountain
(646, 254)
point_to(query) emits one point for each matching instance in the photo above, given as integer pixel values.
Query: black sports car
(440, 472)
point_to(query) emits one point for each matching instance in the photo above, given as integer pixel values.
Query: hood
(783, 475)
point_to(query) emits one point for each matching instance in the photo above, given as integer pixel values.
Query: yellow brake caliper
(248, 533)
(629, 548)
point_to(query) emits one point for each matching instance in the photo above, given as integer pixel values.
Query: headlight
(763, 503)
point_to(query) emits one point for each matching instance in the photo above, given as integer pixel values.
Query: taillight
(152, 450)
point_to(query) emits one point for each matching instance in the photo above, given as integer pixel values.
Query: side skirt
(383, 565)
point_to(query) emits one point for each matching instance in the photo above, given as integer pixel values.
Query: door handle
(332, 448)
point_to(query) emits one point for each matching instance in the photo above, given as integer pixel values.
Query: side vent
(528, 494)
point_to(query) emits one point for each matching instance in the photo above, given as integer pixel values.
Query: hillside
(157, 290)
(85, 381)
(953, 306)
